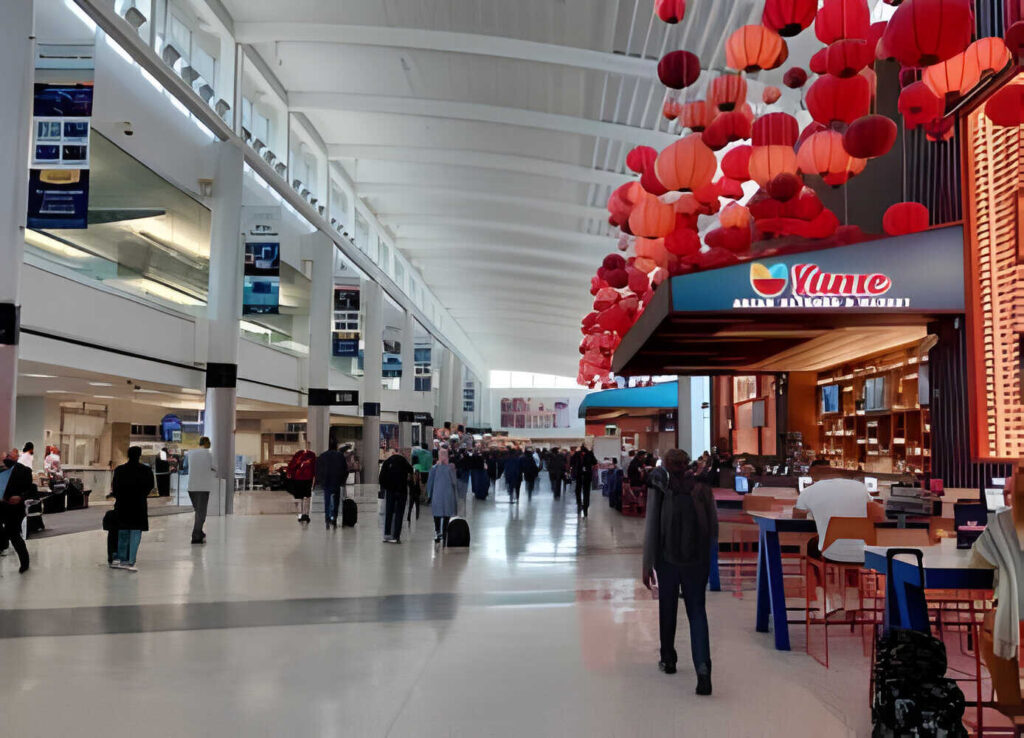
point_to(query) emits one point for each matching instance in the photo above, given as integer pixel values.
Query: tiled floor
(272, 629)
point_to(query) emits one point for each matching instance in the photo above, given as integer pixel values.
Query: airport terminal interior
(466, 368)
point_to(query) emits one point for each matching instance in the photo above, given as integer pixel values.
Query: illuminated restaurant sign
(922, 272)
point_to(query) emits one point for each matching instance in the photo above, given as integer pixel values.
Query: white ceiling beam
(444, 41)
(474, 159)
(445, 251)
(412, 190)
(470, 269)
(313, 102)
(561, 235)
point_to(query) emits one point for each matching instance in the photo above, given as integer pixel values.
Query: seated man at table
(830, 497)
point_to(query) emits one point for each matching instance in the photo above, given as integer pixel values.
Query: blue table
(945, 567)
(771, 593)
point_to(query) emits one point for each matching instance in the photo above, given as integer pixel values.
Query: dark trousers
(332, 502)
(200, 503)
(394, 506)
(441, 526)
(10, 532)
(513, 487)
(583, 485)
(163, 484)
(414, 497)
(691, 581)
(112, 541)
(530, 482)
(556, 484)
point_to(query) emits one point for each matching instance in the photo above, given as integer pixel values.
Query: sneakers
(116, 564)
(123, 565)
(667, 667)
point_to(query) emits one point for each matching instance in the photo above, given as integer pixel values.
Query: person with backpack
(332, 473)
(300, 474)
(682, 524)
(394, 479)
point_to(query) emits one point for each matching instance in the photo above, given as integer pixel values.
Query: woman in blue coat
(441, 485)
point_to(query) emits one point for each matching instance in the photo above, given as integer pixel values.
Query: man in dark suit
(15, 485)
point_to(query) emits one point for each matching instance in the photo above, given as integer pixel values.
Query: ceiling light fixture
(56, 392)
(104, 397)
(40, 376)
(101, 384)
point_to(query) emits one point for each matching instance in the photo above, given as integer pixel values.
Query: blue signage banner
(918, 273)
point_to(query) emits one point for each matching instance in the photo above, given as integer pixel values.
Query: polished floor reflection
(272, 629)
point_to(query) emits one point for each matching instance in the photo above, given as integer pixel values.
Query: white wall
(577, 427)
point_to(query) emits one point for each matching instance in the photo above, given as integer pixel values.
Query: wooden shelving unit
(894, 438)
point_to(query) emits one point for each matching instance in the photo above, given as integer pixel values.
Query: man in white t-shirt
(835, 497)
(202, 480)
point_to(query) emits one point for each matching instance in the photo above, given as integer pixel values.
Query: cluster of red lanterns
(659, 213)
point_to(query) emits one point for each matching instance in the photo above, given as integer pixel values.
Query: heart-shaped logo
(768, 281)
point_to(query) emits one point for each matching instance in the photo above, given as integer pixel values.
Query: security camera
(126, 128)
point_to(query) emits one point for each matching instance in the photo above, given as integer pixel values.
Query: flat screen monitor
(872, 484)
(830, 398)
(998, 482)
(758, 419)
(874, 393)
(742, 485)
(804, 482)
(994, 499)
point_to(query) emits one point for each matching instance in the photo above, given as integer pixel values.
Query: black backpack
(680, 525)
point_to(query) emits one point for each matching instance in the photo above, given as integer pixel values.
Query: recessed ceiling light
(148, 392)
(101, 384)
(190, 391)
(104, 397)
(40, 376)
(56, 392)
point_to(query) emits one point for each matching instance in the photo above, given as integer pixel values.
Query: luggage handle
(892, 553)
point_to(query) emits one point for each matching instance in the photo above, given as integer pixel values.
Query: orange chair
(860, 529)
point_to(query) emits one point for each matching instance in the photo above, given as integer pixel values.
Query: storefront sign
(922, 272)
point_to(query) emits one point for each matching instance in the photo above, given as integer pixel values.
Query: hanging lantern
(682, 242)
(650, 182)
(734, 215)
(616, 278)
(940, 129)
(875, 33)
(768, 162)
(785, 187)
(1006, 107)
(847, 57)
(869, 74)
(736, 163)
(651, 218)
(855, 167)
(726, 128)
(818, 63)
(925, 32)
(832, 99)
(752, 48)
(727, 92)
(670, 11)
(905, 217)
(1014, 39)
(839, 19)
(954, 77)
(730, 188)
(789, 17)
(653, 249)
(687, 164)
(775, 129)
(990, 55)
(870, 136)
(795, 78)
(637, 281)
(671, 109)
(823, 154)
(696, 116)
(678, 69)
(919, 105)
(613, 261)
(770, 95)
(640, 158)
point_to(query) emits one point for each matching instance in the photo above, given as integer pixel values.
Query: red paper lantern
(795, 78)
(954, 77)
(671, 109)
(768, 162)
(687, 164)
(640, 158)
(905, 217)
(726, 128)
(613, 261)
(855, 167)
(990, 55)
(925, 32)
(840, 19)
(637, 281)
(736, 163)
(617, 278)
(727, 92)
(730, 188)
(670, 11)
(652, 218)
(847, 57)
(870, 136)
(734, 215)
(789, 17)
(785, 187)
(770, 95)
(678, 69)
(875, 33)
(823, 154)
(696, 116)
(650, 182)
(818, 62)
(775, 129)
(1006, 107)
(919, 105)
(752, 48)
(1014, 38)
(682, 242)
(832, 99)
(614, 319)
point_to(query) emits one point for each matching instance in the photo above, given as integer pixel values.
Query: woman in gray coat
(441, 485)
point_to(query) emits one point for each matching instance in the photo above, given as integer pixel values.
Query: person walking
(132, 483)
(202, 480)
(556, 471)
(584, 472)
(478, 474)
(28, 457)
(395, 473)
(300, 474)
(162, 469)
(528, 464)
(513, 475)
(15, 485)
(492, 470)
(422, 460)
(682, 523)
(441, 484)
(331, 474)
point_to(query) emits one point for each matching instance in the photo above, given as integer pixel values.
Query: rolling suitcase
(458, 533)
(349, 513)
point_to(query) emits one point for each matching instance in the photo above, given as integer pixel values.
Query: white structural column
(693, 429)
(17, 45)
(224, 309)
(444, 388)
(407, 386)
(456, 414)
(320, 251)
(373, 355)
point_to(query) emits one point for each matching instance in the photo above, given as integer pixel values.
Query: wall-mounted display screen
(830, 398)
(874, 394)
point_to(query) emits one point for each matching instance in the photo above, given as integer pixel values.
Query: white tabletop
(943, 556)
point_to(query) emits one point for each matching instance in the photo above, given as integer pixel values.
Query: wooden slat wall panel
(933, 176)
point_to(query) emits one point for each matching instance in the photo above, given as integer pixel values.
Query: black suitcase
(54, 503)
(458, 533)
(349, 513)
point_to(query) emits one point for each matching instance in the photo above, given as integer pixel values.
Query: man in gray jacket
(682, 526)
